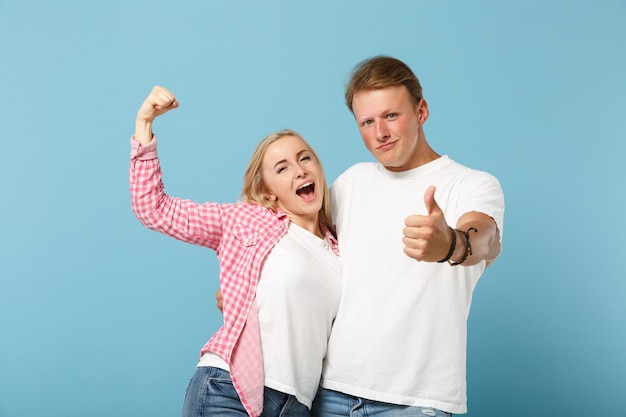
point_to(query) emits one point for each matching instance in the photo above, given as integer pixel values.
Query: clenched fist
(159, 101)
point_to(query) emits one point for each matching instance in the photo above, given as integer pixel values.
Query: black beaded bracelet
(452, 246)
(468, 246)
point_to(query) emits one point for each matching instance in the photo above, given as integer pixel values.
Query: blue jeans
(329, 403)
(211, 393)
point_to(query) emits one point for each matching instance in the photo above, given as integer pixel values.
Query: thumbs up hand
(427, 237)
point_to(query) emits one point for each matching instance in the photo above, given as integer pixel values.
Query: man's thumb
(429, 200)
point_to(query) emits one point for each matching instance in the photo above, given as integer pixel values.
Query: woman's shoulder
(250, 221)
(245, 211)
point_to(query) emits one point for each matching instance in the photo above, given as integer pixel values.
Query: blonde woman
(280, 274)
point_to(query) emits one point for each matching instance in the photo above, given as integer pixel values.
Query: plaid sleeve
(182, 219)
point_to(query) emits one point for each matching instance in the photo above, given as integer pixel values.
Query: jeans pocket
(216, 385)
(219, 397)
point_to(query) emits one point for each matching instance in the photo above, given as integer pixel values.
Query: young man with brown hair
(416, 231)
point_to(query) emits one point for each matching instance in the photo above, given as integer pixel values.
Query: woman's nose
(301, 172)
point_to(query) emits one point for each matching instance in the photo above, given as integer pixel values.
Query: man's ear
(422, 111)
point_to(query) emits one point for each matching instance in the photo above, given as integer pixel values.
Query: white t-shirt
(297, 299)
(400, 333)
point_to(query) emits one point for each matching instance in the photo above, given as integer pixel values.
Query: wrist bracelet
(468, 246)
(452, 246)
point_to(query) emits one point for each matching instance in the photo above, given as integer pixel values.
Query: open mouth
(306, 191)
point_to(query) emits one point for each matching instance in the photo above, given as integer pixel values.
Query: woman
(279, 271)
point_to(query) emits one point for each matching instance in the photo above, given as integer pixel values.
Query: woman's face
(294, 179)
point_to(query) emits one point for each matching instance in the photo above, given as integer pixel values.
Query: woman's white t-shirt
(297, 299)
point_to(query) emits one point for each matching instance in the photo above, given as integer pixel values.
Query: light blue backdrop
(102, 317)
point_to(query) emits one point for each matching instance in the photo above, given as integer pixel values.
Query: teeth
(305, 185)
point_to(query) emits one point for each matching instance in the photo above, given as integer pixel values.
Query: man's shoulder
(469, 171)
(352, 177)
(359, 168)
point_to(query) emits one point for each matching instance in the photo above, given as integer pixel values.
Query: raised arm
(180, 218)
(429, 238)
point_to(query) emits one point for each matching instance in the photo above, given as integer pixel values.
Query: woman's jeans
(211, 393)
(329, 403)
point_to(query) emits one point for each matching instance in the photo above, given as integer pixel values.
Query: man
(398, 344)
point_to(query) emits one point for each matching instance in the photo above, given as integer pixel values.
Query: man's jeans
(329, 403)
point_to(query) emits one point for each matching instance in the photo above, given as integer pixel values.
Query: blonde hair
(254, 190)
(380, 72)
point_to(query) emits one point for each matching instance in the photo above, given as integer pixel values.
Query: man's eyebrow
(383, 112)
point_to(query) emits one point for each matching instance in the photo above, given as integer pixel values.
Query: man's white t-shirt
(400, 333)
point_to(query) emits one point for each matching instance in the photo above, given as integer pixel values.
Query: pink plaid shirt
(242, 234)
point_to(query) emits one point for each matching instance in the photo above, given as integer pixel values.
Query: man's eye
(368, 122)
(392, 115)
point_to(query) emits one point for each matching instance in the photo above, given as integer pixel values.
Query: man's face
(390, 125)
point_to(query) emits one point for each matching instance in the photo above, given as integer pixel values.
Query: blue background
(102, 317)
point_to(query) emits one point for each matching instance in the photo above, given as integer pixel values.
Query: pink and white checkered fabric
(242, 234)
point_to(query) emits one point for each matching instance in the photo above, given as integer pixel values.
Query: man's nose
(382, 132)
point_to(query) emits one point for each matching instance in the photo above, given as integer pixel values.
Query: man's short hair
(380, 72)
